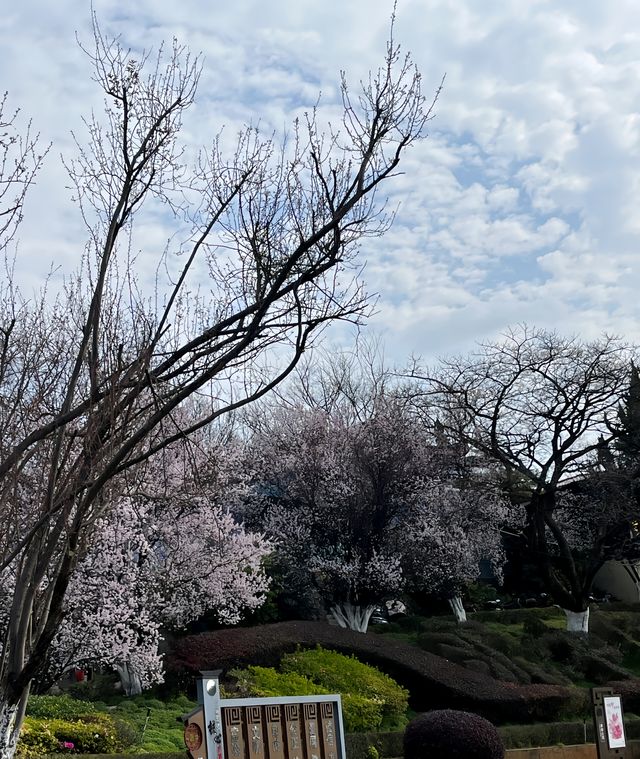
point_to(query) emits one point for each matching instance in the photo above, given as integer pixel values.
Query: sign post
(608, 722)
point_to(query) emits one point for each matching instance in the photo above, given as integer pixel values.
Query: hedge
(95, 732)
(434, 682)
(389, 745)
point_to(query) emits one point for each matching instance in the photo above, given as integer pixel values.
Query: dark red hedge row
(434, 682)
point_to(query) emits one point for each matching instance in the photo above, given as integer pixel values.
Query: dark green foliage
(615, 628)
(517, 616)
(449, 734)
(538, 673)
(561, 646)
(386, 744)
(628, 441)
(534, 626)
(465, 645)
(432, 681)
(503, 642)
(598, 669)
(477, 665)
(433, 641)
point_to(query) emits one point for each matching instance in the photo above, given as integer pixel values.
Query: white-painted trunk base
(352, 617)
(9, 729)
(577, 621)
(458, 609)
(129, 679)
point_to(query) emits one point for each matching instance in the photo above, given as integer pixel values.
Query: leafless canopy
(542, 406)
(539, 403)
(91, 382)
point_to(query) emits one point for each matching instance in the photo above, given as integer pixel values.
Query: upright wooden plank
(255, 732)
(274, 739)
(294, 737)
(232, 719)
(328, 730)
(311, 731)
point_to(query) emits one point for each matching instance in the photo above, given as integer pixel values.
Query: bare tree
(542, 406)
(20, 160)
(91, 380)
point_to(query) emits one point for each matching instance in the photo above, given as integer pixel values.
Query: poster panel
(615, 724)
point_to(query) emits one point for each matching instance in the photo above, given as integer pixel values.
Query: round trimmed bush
(450, 734)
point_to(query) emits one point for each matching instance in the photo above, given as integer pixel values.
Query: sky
(523, 205)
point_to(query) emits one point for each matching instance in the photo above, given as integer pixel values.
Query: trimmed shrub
(358, 745)
(539, 674)
(58, 707)
(432, 681)
(534, 626)
(434, 642)
(36, 739)
(478, 665)
(96, 734)
(449, 734)
(503, 642)
(346, 674)
(599, 670)
(360, 713)
(266, 682)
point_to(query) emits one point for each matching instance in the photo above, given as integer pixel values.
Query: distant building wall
(621, 579)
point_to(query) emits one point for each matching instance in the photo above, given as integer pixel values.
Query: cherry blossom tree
(90, 374)
(162, 557)
(448, 532)
(542, 407)
(359, 508)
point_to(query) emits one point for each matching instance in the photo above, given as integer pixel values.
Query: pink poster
(615, 725)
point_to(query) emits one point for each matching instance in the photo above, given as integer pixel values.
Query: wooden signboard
(306, 727)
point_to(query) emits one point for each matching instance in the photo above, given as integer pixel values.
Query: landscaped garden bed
(518, 667)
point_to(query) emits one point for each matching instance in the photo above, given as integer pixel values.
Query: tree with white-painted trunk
(91, 375)
(362, 504)
(452, 527)
(543, 408)
(310, 499)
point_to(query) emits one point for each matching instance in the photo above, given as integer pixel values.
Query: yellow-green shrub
(361, 714)
(346, 674)
(94, 734)
(59, 707)
(370, 699)
(266, 682)
(36, 739)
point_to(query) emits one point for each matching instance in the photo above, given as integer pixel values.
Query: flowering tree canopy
(360, 508)
(162, 557)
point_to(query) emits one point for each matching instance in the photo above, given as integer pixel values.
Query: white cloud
(522, 205)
